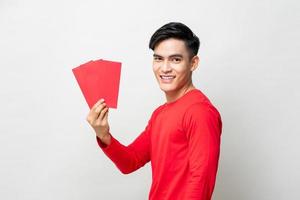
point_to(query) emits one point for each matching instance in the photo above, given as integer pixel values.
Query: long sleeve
(203, 127)
(132, 157)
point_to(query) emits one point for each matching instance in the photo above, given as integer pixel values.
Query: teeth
(167, 77)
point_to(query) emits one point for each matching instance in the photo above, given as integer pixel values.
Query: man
(182, 137)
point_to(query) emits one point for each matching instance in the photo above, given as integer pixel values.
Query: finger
(106, 115)
(102, 113)
(100, 108)
(94, 114)
(100, 101)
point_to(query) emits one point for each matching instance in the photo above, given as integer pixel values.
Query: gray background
(249, 69)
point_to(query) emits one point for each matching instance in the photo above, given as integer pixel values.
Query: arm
(132, 157)
(126, 158)
(203, 127)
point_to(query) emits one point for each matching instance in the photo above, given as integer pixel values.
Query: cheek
(155, 68)
(181, 71)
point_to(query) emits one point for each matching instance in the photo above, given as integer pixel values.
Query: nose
(166, 67)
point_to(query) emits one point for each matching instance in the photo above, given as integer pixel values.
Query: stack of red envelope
(99, 79)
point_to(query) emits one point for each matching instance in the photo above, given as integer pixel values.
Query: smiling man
(183, 135)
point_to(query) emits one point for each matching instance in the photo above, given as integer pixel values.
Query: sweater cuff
(104, 146)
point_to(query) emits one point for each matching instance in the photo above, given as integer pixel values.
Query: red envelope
(99, 79)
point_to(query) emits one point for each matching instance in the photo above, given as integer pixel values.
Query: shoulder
(155, 113)
(157, 110)
(201, 113)
(202, 108)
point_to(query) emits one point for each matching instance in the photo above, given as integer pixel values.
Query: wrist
(105, 138)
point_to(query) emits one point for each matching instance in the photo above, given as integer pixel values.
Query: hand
(97, 118)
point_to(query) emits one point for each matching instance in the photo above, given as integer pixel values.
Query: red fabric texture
(182, 141)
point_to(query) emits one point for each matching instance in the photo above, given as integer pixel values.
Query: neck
(173, 96)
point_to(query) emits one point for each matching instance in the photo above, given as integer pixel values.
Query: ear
(194, 62)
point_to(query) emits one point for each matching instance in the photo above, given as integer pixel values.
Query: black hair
(179, 31)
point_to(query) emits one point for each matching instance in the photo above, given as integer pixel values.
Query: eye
(157, 58)
(176, 60)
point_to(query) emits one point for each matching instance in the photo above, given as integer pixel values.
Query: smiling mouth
(166, 77)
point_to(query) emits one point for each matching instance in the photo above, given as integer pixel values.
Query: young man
(182, 137)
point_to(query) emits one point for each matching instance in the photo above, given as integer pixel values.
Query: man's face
(172, 65)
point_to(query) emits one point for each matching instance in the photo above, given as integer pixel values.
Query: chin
(167, 88)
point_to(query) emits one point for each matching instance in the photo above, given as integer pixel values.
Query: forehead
(171, 46)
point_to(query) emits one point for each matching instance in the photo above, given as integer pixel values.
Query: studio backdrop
(249, 68)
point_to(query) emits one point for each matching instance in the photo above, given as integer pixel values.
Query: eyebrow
(173, 55)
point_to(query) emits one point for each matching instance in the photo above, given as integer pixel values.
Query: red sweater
(182, 141)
